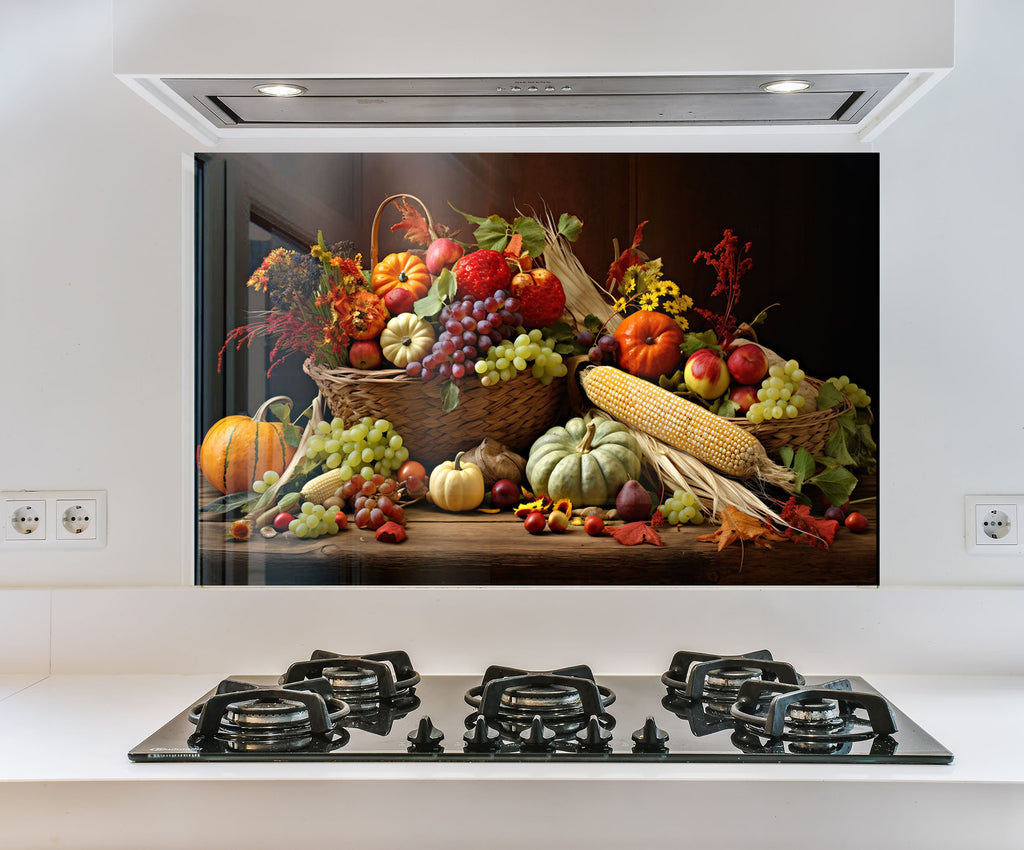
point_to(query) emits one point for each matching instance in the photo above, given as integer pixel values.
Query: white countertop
(64, 741)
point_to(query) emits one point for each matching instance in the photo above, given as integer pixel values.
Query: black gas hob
(704, 708)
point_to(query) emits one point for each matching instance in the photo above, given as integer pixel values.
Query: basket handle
(376, 223)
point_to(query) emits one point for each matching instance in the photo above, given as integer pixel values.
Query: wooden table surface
(483, 549)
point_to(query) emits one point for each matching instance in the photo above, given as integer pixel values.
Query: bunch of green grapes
(316, 521)
(369, 447)
(269, 479)
(777, 398)
(325, 444)
(858, 396)
(681, 508)
(507, 359)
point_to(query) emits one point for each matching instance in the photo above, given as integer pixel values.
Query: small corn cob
(680, 424)
(322, 487)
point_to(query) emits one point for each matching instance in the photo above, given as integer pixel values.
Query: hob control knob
(481, 737)
(594, 738)
(538, 737)
(650, 739)
(427, 737)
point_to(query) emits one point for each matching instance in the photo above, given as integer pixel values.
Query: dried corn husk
(583, 295)
(679, 471)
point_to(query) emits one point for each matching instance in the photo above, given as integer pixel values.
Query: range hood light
(786, 86)
(280, 90)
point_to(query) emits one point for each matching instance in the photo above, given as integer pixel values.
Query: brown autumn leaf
(736, 525)
(413, 223)
(633, 533)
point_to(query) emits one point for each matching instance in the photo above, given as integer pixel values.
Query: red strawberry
(481, 274)
(541, 297)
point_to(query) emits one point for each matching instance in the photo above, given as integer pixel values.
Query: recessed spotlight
(280, 89)
(786, 86)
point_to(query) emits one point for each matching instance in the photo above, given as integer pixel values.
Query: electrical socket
(24, 520)
(54, 519)
(992, 525)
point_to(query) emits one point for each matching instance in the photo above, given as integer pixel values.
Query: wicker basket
(809, 430)
(514, 412)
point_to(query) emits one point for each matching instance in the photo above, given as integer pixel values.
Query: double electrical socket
(54, 519)
(992, 525)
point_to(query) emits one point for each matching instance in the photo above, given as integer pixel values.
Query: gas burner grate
(825, 714)
(243, 717)
(365, 681)
(699, 676)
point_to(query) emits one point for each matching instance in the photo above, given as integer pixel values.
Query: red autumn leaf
(630, 257)
(390, 532)
(633, 533)
(515, 246)
(658, 520)
(803, 528)
(413, 223)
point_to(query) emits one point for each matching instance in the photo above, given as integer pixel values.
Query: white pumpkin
(406, 338)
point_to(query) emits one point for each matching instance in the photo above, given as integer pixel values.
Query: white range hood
(647, 66)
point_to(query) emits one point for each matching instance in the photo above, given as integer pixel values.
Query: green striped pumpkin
(238, 449)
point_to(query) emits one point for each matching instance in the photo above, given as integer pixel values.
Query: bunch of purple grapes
(604, 350)
(469, 329)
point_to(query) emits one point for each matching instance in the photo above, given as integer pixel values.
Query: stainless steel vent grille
(536, 102)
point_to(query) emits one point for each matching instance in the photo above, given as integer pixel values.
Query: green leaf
(565, 347)
(835, 484)
(429, 305)
(450, 396)
(292, 434)
(836, 447)
(867, 440)
(534, 237)
(696, 341)
(492, 234)
(227, 504)
(446, 285)
(759, 319)
(561, 331)
(592, 323)
(803, 463)
(727, 407)
(569, 226)
(786, 453)
(282, 412)
(471, 218)
(828, 396)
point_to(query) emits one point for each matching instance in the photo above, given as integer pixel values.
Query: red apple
(748, 364)
(541, 297)
(558, 522)
(364, 354)
(505, 493)
(705, 374)
(744, 397)
(399, 300)
(442, 254)
(535, 522)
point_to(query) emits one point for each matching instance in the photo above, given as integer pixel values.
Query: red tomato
(593, 525)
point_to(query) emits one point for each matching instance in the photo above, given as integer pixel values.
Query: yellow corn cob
(322, 487)
(680, 424)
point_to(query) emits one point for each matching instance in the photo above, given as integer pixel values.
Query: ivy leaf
(450, 397)
(292, 434)
(835, 484)
(569, 226)
(867, 441)
(836, 447)
(696, 341)
(727, 407)
(561, 331)
(446, 285)
(803, 463)
(828, 396)
(428, 305)
(592, 323)
(282, 412)
(534, 237)
(492, 234)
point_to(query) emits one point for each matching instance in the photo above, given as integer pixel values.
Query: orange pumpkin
(237, 450)
(404, 270)
(649, 344)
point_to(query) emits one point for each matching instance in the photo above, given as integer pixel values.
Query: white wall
(91, 337)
